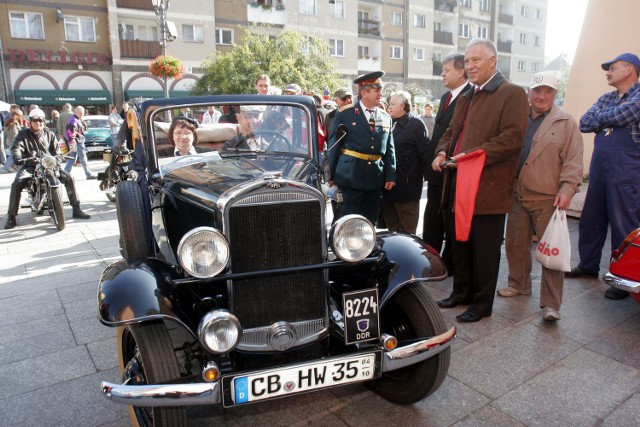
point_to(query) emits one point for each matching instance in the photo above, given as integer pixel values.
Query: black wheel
(135, 236)
(275, 140)
(146, 356)
(56, 207)
(411, 314)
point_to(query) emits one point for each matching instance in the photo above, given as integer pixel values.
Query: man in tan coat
(549, 173)
(491, 116)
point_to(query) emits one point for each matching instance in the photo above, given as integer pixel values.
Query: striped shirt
(614, 111)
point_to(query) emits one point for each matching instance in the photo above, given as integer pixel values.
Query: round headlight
(49, 162)
(352, 238)
(219, 331)
(203, 252)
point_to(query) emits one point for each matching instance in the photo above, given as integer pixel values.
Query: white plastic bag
(554, 249)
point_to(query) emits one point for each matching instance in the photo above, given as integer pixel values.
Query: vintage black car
(235, 287)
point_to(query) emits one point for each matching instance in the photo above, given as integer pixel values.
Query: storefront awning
(59, 97)
(129, 94)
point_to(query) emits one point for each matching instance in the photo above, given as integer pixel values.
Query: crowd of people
(498, 161)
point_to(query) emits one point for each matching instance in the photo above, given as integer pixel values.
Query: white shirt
(211, 118)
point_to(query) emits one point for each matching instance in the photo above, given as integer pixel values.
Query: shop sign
(58, 57)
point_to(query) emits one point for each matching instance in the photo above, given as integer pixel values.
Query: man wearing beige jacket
(549, 173)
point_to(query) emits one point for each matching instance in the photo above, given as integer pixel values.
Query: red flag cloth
(467, 182)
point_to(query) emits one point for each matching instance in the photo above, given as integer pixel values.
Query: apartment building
(98, 53)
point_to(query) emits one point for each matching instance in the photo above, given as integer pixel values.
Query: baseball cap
(36, 113)
(342, 93)
(544, 78)
(293, 88)
(628, 57)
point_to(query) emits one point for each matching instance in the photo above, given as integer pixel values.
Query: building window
(536, 41)
(465, 3)
(26, 25)
(483, 33)
(483, 5)
(437, 26)
(419, 21)
(336, 47)
(396, 52)
(524, 11)
(534, 67)
(224, 36)
(418, 54)
(396, 18)
(363, 51)
(523, 38)
(338, 10)
(192, 33)
(522, 65)
(539, 14)
(307, 42)
(463, 30)
(79, 29)
(307, 7)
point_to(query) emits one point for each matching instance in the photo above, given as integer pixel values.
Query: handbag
(554, 248)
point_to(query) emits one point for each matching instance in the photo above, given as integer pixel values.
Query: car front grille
(266, 234)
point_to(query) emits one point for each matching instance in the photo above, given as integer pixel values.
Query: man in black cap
(613, 196)
(363, 162)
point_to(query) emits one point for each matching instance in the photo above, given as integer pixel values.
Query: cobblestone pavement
(511, 369)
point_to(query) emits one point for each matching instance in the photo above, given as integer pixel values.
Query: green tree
(288, 58)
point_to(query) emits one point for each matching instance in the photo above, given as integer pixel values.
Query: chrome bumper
(622, 283)
(158, 395)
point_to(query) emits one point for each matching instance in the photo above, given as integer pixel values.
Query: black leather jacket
(27, 142)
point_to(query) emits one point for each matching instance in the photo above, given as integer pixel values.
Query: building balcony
(504, 46)
(266, 14)
(442, 37)
(369, 26)
(369, 63)
(141, 49)
(505, 19)
(135, 4)
(445, 5)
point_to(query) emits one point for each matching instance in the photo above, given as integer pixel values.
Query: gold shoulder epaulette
(345, 107)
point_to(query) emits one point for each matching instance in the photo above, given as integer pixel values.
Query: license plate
(300, 378)
(95, 148)
(361, 315)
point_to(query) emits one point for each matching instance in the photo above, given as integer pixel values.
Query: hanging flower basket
(166, 66)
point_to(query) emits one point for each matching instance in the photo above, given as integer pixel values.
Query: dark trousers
(613, 196)
(434, 229)
(476, 263)
(365, 203)
(22, 180)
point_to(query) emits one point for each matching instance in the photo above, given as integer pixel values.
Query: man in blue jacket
(363, 162)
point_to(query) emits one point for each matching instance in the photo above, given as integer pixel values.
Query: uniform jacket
(555, 161)
(410, 143)
(27, 142)
(496, 124)
(360, 174)
(443, 118)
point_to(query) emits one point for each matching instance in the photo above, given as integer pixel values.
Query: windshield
(261, 128)
(97, 123)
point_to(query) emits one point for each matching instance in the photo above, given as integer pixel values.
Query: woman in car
(183, 138)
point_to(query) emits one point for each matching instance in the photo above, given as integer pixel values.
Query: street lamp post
(161, 7)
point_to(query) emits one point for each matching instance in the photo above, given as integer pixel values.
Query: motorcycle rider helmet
(36, 113)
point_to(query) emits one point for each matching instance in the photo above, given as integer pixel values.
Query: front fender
(410, 260)
(52, 179)
(137, 291)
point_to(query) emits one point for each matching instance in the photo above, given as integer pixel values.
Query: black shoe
(611, 293)
(447, 303)
(91, 177)
(78, 214)
(11, 222)
(468, 317)
(578, 272)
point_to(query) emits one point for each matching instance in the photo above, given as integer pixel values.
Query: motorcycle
(117, 171)
(44, 190)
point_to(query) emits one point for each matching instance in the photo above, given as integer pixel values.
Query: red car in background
(624, 270)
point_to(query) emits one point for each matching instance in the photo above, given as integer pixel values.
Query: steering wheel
(273, 138)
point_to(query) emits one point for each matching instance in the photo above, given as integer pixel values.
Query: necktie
(372, 122)
(457, 149)
(447, 102)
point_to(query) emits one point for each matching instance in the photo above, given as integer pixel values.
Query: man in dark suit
(364, 163)
(437, 220)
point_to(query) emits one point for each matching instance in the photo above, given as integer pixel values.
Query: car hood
(97, 133)
(206, 180)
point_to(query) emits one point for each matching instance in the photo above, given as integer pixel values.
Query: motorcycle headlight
(49, 162)
(219, 331)
(203, 252)
(352, 238)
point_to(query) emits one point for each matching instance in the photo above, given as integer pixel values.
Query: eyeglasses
(37, 120)
(179, 135)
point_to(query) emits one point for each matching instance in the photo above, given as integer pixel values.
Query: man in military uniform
(363, 162)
